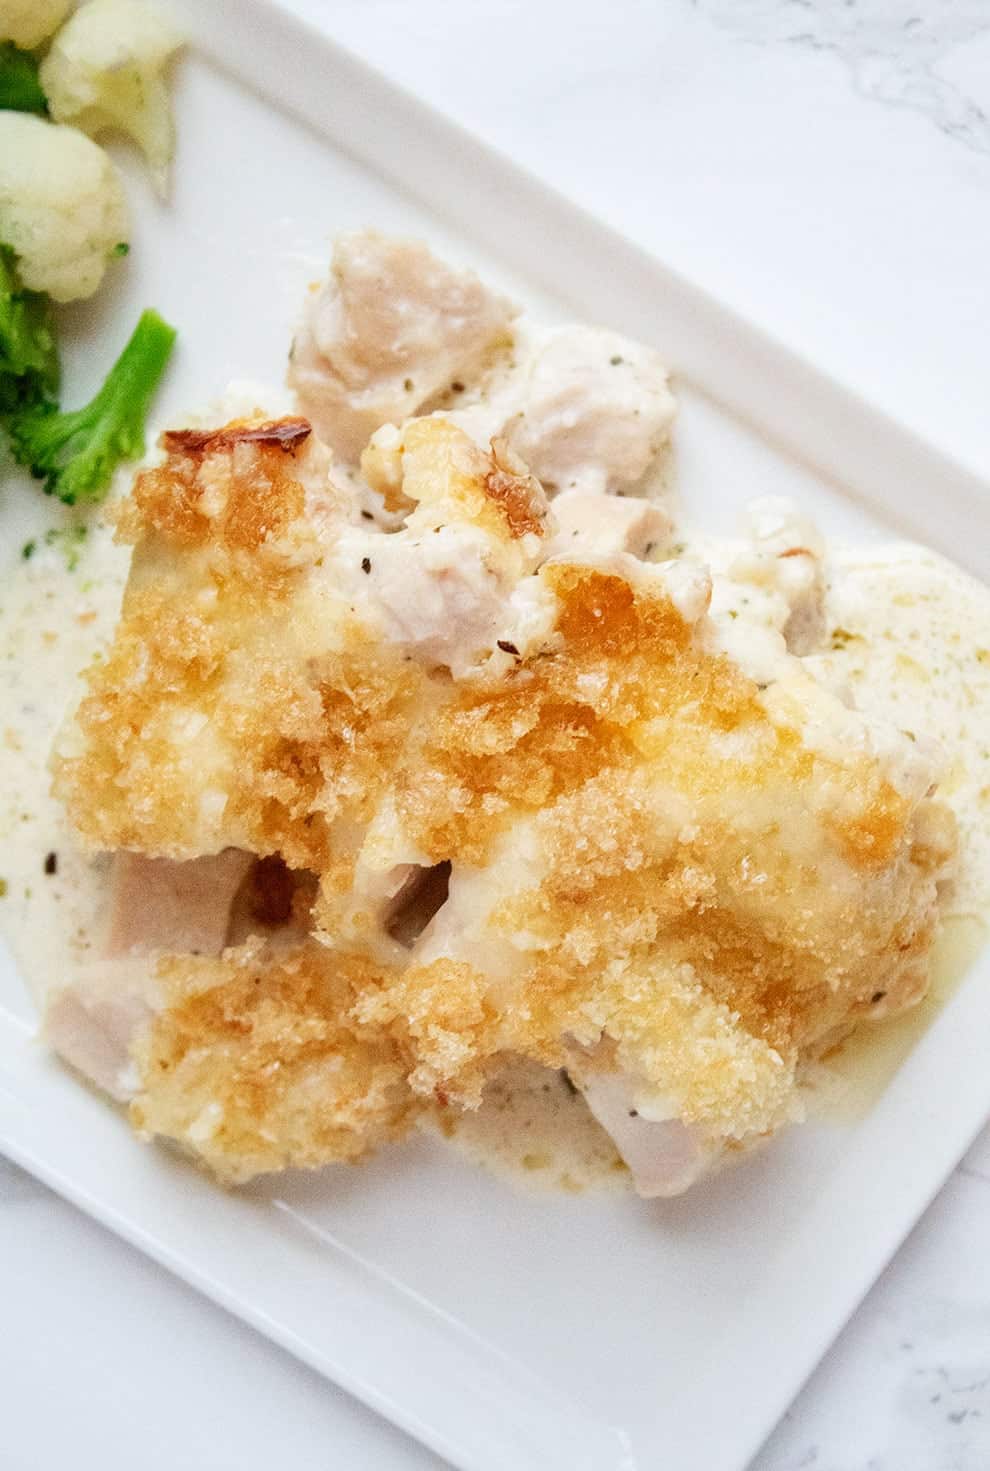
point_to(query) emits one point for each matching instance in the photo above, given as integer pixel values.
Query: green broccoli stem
(20, 90)
(76, 453)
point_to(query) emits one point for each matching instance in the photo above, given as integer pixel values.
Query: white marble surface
(824, 165)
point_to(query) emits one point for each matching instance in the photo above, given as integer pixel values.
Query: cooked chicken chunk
(665, 1156)
(392, 328)
(394, 332)
(666, 874)
(442, 585)
(587, 409)
(156, 904)
(592, 524)
(94, 1020)
(594, 411)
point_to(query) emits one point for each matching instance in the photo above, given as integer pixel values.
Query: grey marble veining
(893, 49)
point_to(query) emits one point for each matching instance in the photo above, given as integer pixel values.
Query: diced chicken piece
(158, 904)
(592, 411)
(590, 523)
(476, 524)
(396, 886)
(93, 1022)
(438, 596)
(392, 328)
(155, 906)
(664, 1155)
(780, 532)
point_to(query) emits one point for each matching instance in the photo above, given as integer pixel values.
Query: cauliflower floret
(62, 206)
(106, 70)
(29, 22)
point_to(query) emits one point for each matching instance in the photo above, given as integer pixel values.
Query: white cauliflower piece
(106, 70)
(62, 206)
(29, 22)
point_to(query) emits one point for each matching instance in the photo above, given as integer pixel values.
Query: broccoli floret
(76, 453)
(20, 90)
(28, 355)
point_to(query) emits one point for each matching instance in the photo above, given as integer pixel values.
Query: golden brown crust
(294, 749)
(438, 467)
(234, 486)
(255, 1064)
(518, 495)
(286, 434)
(764, 889)
(672, 872)
(709, 959)
(558, 718)
(231, 701)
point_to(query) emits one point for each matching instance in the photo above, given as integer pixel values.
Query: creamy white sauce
(57, 609)
(910, 637)
(536, 1130)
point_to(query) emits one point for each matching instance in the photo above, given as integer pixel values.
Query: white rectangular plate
(510, 1330)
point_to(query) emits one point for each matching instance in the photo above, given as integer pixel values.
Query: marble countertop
(824, 166)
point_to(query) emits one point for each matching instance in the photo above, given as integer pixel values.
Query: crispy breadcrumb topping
(256, 1063)
(654, 857)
